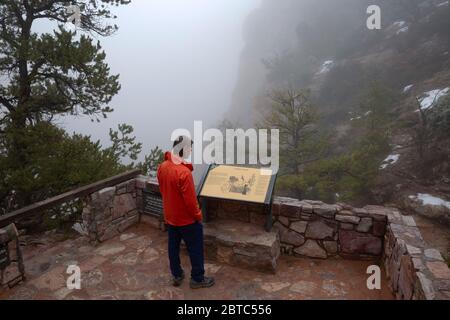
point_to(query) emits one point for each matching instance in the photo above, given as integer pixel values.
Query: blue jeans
(193, 238)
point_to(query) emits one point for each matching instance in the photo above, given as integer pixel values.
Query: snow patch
(427, 199)
(407, 88)
(402, 30)
(445, 3)
(78, 227)
(391, 159)
(431, 97)
(326, 67)
(359, 117)
(399, 24)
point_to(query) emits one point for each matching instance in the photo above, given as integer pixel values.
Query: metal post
(204, 205)
(269, 217)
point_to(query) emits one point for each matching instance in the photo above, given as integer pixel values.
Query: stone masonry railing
(306, 228)
(108, 212)
(318, 230)
(415, 270)
(314, 229)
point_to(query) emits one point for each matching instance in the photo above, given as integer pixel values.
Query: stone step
(242, 244)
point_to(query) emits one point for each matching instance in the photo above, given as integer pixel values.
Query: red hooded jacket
(178, 192)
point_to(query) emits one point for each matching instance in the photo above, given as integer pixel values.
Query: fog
(178, 62)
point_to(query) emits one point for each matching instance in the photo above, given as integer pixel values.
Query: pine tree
(294, 115)
(51, 74)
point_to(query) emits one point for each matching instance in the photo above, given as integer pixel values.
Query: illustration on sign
(239, 185)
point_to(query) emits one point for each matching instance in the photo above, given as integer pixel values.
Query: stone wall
(318, 230)
(144, 182)
(234, 210)
(110, 211)
(312, 228)
(306, 229)
(415, 271)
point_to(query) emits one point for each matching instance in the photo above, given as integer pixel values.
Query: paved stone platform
(134, 265)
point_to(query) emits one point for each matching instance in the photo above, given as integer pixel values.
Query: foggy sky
(178, 62)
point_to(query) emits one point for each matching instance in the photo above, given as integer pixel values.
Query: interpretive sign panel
(238, 183)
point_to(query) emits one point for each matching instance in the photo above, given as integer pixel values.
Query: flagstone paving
(135, 266)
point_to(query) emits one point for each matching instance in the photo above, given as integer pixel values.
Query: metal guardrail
(70, 195)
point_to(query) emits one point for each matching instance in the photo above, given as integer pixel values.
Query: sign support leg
(204, 206)
(269, 217)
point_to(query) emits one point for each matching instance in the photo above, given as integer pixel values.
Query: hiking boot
(206, 283)
(176, 281)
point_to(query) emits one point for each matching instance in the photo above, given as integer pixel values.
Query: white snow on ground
(445, 3)
(399, 24)
(326, 66)
(391, 159)
(78, 227)
(431, 97)
(407, 88)
(404, 29)
(428, 199)
(359, 117)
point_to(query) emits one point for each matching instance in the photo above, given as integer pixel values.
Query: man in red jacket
(182, 213)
